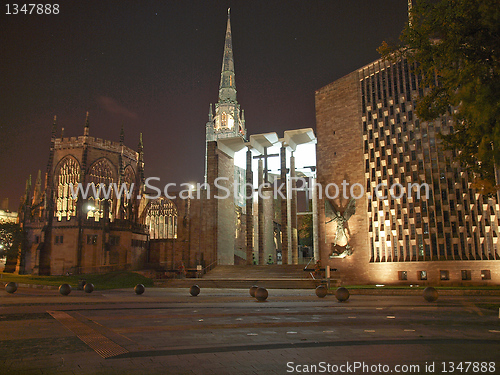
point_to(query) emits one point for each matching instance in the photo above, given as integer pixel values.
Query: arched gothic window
(68, 172)
(162, 219)
(129, 181)
(101, 175)
(224, 120)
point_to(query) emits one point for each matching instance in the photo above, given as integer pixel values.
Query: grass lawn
(112, 280)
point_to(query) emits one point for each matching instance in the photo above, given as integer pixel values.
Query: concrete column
(497, 181)
(284, 208)
(249, 209)
(269, 248)
(260, 214)
(293, 212)
(289, 219)
(315, 220)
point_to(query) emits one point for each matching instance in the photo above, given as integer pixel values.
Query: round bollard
(194, 290)
(11, 287)
(139, 289)
(88, 288)
(430, 294)
(252, 290)
(321, 291)
(342, 294)
(65, 289)
(261, 294)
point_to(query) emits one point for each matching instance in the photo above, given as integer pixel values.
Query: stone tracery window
(101, 175)
(129, 181)
(162, 219)
(68, 172)
(224, 120)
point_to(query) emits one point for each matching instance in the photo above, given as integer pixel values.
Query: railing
(210, 267)
(310, 260)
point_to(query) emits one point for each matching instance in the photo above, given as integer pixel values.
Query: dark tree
(456, 47)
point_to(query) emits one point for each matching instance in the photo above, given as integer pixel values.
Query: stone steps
(239, 283)
(243, 277)
(258, 272)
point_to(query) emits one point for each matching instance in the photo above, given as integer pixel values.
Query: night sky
(154, 67)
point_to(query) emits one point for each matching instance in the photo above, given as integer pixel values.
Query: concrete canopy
(260, 141)
(230, 145)
(299, 136)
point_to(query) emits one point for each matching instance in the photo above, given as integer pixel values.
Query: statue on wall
(340, 246)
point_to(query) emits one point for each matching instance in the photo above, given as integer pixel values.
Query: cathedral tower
(229, 119)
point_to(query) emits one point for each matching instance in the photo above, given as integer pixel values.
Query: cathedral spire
(227, 88)
(37, 193)
(410, 8)
(54, 128)
(27, 191)
(122, 136)
(210, 113)
(140, 161)
(87, 125)
(50, 162)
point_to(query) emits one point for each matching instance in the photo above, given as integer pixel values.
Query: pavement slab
(166, 331)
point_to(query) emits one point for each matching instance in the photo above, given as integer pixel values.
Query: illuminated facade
(108, 229)
(368, 133)
(8, 217)
(260, 228)
(68, 233)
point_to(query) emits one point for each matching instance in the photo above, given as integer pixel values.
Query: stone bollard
(321, 291)
(261, 294)
(430, 294)
(65, 289)
(88, 288)
(252, 290)
(194, 290)
(342, 294)
(11, 287)
(139, 289)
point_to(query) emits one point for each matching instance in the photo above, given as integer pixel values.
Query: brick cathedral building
(68, 233)
(368, 134)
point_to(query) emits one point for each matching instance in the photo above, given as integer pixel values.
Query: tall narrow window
(124, 206)
(224, 120)
(67, 173)
(102, 173)
(161, 218)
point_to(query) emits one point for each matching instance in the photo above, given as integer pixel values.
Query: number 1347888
(13, 9)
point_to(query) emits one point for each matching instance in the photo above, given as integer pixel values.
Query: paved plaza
(225, 331)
